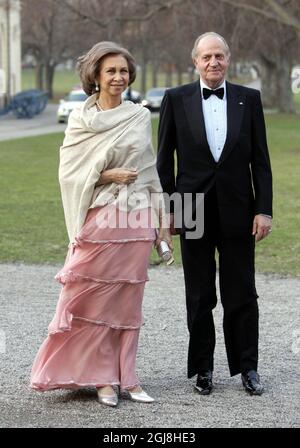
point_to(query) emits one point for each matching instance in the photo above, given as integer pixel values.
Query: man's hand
(121, 176)
(262, 226)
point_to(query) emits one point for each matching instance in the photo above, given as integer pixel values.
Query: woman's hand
(123, 176)
(164, 235)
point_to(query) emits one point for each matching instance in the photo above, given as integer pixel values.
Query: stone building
(10, 49)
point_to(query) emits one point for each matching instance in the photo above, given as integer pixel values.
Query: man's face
(212, 61)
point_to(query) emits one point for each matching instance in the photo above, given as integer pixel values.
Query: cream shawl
(96, 141)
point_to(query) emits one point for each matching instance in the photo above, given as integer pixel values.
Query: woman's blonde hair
(89, 64)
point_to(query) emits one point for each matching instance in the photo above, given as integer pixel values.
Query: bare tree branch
(283, 14)
(279, 13)
(159, 7)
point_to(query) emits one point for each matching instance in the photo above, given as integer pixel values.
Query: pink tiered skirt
(93, 337)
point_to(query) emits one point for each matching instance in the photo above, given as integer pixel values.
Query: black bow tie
(219, 92)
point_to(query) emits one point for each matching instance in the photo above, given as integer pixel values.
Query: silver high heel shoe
(141, 397)
(107, 400)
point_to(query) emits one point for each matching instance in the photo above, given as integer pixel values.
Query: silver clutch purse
(165, 253)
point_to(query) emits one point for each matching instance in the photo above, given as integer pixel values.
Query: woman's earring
(97, 88)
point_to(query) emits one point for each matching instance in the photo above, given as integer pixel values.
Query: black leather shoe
(204, 383)
(251, 383)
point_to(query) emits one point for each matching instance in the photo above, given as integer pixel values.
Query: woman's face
(114, 75)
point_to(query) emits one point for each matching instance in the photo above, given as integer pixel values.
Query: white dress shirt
(215, 119)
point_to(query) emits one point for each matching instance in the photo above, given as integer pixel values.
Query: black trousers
(237, 291)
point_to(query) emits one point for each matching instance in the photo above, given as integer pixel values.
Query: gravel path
(28, 298)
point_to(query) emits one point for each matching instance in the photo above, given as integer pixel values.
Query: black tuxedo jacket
(242, 177)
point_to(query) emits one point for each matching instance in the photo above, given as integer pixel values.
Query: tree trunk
(276, 84)
(39, 72)
(232, 71)
(284, 88)
(143, 76)
(168, 82)
(49, 75)
(144, 69)
(257, 69)
(154, 73)
(191, 71)
(268, 83)
(179, 76)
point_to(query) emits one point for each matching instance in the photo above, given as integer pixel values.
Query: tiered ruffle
(93, 336)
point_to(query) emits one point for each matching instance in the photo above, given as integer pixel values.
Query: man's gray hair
(212, 34)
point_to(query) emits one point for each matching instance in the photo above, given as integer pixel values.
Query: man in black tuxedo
(218, 131)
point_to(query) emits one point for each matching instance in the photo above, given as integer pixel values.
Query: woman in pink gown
(107, 165)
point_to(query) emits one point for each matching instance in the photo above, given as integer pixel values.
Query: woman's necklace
(99, 107)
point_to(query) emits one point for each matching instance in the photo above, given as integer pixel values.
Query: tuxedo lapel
(235, 111)
(194, 113)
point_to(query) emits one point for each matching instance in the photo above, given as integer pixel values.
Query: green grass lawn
(281, 251)
(32, 224)
(297, 101)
